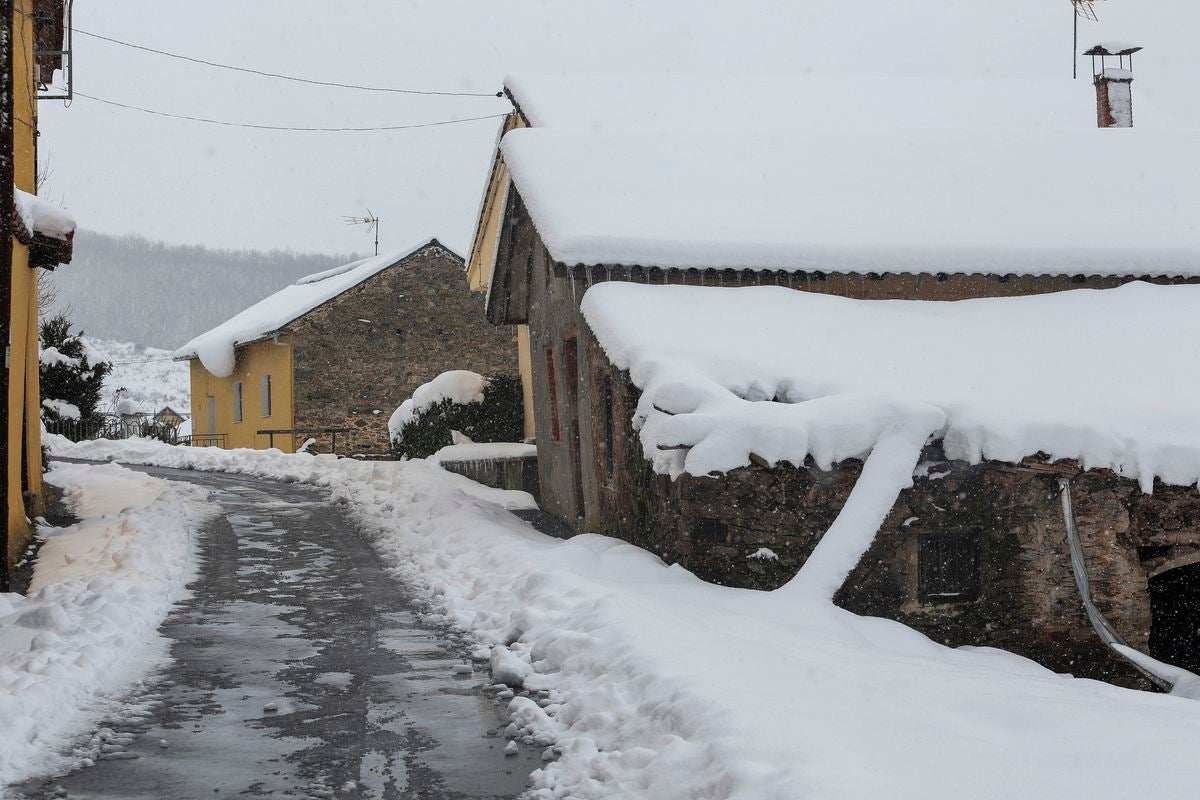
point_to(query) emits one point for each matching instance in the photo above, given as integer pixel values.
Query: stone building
(868, 215)
(339, 351)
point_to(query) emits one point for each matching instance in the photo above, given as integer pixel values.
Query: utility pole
(7, 213)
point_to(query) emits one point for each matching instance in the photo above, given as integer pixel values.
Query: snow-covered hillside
(148, 375)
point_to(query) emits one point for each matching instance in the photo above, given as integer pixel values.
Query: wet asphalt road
(294, 609)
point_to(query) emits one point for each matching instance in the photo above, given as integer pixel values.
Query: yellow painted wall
(253, 361)
(487, 232)
(483, 259)
(24, 422)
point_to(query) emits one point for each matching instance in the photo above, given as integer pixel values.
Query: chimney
(1114, 83)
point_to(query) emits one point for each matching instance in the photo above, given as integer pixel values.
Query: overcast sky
(120, 171)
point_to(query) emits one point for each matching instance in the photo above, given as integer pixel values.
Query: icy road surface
(300, 671)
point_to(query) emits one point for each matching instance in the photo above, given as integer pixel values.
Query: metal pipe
(1104, 629)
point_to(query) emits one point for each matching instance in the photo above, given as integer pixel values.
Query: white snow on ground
(215, 348)
(911, 201)
(42, 217)
(654, 685)
(150, 377)
(458, 385)
(1083, 374)
(87, 632)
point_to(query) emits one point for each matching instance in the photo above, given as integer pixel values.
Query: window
(610, 434)
(948, 567)
(266, 395)
(237, 402)
(212, 414)
(552, 384)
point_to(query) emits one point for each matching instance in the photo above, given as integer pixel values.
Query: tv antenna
(372, 223)
(1084, 9)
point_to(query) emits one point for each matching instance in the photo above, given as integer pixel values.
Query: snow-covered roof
(799, 102)
(916, 201)
(1100, 376)
(42, 217)
(215, 348)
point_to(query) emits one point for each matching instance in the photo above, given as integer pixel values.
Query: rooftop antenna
(1085, 9)
(372, 223)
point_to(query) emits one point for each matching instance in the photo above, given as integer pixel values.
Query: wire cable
(229, 124)
(265, 74)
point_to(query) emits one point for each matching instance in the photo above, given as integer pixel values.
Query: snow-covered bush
(482, 409)
(71, 382)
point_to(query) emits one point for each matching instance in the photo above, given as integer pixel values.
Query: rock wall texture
(359, 356)
(1027, 601)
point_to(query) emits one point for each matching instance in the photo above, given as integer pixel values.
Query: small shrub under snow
(480, 409)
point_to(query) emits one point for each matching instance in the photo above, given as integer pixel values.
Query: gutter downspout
(1100, 624)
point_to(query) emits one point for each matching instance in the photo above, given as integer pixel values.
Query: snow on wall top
(798, 102)
(42, 217)
(215, 348)
(1081, 374)
(998, 202)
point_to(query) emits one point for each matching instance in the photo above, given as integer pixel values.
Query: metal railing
(204, 440)
(119, 426)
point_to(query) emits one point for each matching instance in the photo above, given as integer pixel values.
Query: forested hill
(136, 290)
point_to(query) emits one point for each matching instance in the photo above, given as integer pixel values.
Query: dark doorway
(1175, 615)
(571, 382)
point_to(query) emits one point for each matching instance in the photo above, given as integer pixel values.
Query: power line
(265, 74)
(229, 124)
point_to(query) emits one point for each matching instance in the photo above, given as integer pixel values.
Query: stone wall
(359, 356)
(1028, 602)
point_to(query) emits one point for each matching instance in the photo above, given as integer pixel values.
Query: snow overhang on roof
(1023, 202)
(783, 374)
(269, 316)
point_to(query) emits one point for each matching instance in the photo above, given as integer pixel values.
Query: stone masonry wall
(359, 356)
(1028, 603)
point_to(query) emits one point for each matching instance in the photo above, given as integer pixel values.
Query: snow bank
(41, 217)
(460, 386)
(920, 201)
(1080, 375)
(87, 632)
(653, 685)
(215, 348)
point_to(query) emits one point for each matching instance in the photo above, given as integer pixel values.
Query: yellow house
(39, 236)
(333, 355)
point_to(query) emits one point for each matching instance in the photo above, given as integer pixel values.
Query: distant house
(169, 417)
(863, 191)
(339, 351)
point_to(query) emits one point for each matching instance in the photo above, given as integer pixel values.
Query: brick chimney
(1114, 84)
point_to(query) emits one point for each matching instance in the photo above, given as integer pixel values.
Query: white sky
(120, 171)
